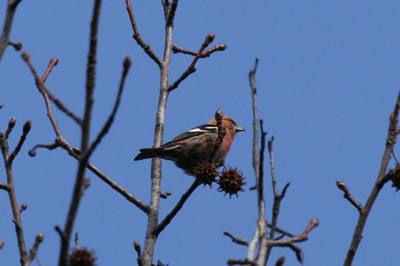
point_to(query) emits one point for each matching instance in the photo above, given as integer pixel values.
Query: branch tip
(27, 127)
(25, 56)
(54, 61)
(210, 38)
(17, 45)
(127, 63)
(24, 206)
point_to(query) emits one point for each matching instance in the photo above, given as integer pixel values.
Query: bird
(195, 146)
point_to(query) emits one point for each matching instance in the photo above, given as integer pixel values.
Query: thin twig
(277, 197)
(5, 35)
(241, 262)
(236, 239)
(52, 63)
(348, 196)
(262, 223)
(191, 69)
(25, 131)
(138, 38)
(221, 132)
(216, 48)
(107, 125)
(32, 253)
(4, 186)
(42, 89)
(393, 132)
(256, 156)
(289, 242)
(171, 13)
(17, 45)
(79, 185)
(32, 152)
(75, 154)
(177, 207)
(13, 200)
(11, 125)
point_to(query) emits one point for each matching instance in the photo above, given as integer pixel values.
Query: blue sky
(327, 81)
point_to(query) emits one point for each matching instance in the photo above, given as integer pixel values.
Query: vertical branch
(79, 181)
(153, 211)
(10, 188)
(381, 180)
(256, 163)
(256, 158)
(262, 223)
(5, 35)
(277, 197)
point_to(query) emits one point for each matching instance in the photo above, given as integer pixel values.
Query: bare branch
(5, 35)
(171, 13)
(289, 242)
(32, 152)
(13, 199)
(391, 140)
(11, 125)
(191, 69)
(277, 197)
(348, 196)
(17, 45)
(256, 156)
(42, 89)
(34, 250)
(83, 160)
(138, 38)
(4, 186)
(236, 239)
(221, 132)
(107, 125)
(25, 131)
(138, 203)
(52, 63)
(241, 262)
(216, 48)
(177, 207)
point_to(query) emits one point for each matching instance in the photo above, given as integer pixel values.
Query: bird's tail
(148, 153)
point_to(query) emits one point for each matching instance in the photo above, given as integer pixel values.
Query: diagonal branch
(10, 188)
(289, 242)
(25, 131)
(341, 185)
(110, 120)
(5, 35)
(53, 62)
(393, 132)
(216, 48)
(177, 207)
(138, 38)
(43, 90)
(191, 69)
(277, 197)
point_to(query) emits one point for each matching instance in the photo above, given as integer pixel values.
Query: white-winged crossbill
(196, 146)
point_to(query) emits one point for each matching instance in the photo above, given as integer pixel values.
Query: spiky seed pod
(81, 257)
(231, 181)
(206, 172)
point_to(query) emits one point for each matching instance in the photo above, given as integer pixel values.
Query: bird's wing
(206, 128)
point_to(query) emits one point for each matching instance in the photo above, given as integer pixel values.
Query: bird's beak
(239, 128)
